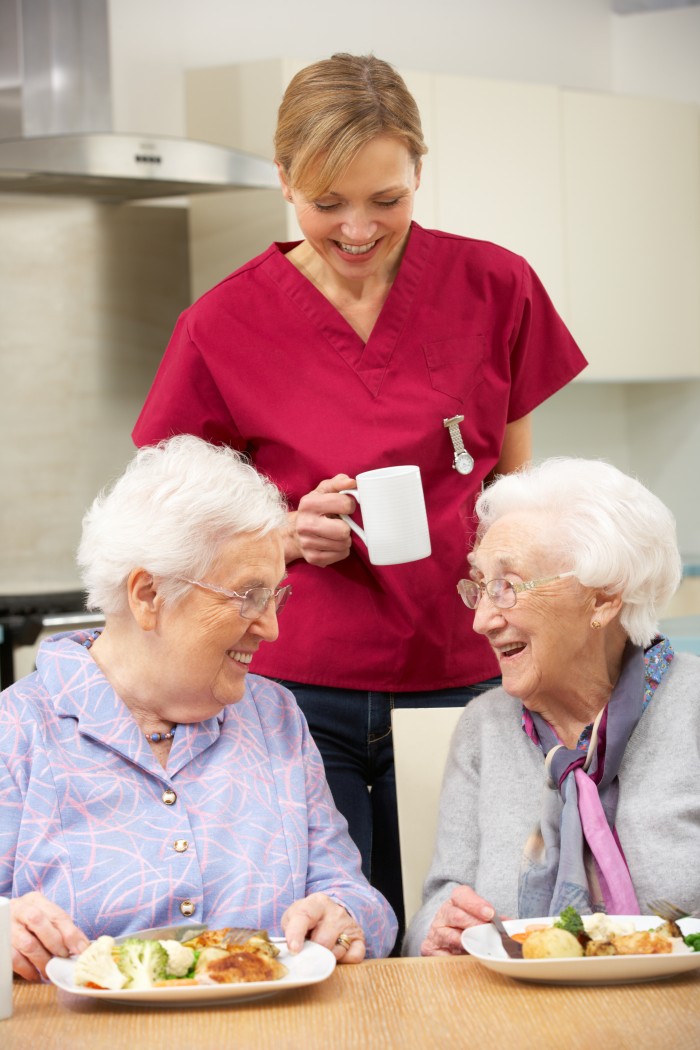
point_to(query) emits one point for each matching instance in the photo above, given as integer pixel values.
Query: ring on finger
(344, 941)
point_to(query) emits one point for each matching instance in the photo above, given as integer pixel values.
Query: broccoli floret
(569, 919)
(143, 962)
(96, 966)
(180, 958)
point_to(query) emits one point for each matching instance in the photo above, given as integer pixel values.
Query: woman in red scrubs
(347, 351)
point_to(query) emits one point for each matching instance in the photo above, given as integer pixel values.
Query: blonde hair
(332, 109)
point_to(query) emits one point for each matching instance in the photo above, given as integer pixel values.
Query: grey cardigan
(493, 784)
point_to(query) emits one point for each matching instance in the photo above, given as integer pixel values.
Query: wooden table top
(378, 1005)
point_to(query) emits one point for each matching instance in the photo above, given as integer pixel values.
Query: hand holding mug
(316, 532)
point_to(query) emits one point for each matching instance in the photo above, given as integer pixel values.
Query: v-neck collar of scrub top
(368, 360)
(79, 690)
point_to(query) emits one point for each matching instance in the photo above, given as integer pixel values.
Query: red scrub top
(265, 363)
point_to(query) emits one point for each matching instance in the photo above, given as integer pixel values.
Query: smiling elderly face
(547, 632)
(204, 645)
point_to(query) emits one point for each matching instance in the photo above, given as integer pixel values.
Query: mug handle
(346, 517)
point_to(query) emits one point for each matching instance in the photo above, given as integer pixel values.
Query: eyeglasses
(253, 601)
(502, 593)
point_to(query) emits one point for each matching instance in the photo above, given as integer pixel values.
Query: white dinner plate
(313, 964)
(485, 945)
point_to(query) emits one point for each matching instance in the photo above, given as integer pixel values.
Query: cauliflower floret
(180, 958)
(143, 962)
(601, 927)
(96, 966)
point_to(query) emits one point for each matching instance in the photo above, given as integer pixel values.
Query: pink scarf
(574, 856)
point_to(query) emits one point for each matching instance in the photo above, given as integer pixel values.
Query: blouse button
(187, 908)
(180, 845)
(169, 797)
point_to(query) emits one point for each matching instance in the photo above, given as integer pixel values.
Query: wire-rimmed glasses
(502, 593)
(254, 601)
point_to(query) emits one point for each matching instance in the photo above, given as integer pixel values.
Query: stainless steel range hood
(126, 167)
(56, 132)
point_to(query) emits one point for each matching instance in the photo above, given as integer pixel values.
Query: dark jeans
(352, 730)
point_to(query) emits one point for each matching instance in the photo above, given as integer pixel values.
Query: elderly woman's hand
(41, 930)
(320, 919)
(464, 908)
(316, 533)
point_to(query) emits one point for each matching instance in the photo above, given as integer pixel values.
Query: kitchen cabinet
(496, 156)
(631, 182)
(226, 105)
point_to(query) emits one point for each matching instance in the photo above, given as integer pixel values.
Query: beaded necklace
(157, 737)
(153, 738)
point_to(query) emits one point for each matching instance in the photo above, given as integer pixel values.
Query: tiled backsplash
(89, 294)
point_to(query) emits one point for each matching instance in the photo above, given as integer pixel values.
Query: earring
(596, 624)
(290, 198)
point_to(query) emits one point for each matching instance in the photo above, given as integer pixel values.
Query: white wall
(572, 43)
(651, 430)
(563, 42)
(658, 54)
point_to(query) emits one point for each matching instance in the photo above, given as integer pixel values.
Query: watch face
(464, 464)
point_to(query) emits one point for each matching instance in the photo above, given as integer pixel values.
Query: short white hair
(170, 512)
(614, 533)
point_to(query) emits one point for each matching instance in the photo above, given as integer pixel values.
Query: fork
(665, 910)
(258, 939)
(513, 948)
(240, 934)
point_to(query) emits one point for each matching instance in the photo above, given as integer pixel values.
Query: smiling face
(204, 646)
(544, 643)
(358, 228)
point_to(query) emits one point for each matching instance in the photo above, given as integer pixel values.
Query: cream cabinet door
(498, 171)
(236, 106)
(632, 205)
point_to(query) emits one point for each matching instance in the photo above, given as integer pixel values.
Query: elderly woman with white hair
(576, 783)
(146, 778)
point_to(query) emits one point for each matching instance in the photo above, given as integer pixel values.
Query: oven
(24, 617)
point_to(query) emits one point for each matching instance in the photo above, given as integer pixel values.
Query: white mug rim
(389, 472)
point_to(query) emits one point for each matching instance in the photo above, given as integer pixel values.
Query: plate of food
(589, 949)
(209, 969)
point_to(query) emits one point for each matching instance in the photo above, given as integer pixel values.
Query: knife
(166, 933)
(514, 949)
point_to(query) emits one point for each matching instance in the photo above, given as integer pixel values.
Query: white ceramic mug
(5, 960)
(393, 515)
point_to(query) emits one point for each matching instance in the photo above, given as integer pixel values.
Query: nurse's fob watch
(463, 463)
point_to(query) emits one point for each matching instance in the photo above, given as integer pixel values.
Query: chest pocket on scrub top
(456, 366)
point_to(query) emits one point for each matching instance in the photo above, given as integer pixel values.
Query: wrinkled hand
(320, 919)
(464, 908)
(40, 930)
(315, 531)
